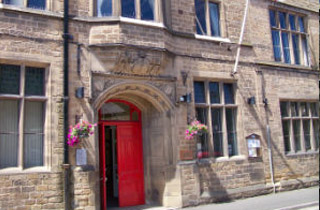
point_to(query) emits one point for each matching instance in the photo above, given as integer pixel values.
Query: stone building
(143, 70)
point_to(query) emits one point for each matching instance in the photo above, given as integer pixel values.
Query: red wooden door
(102, 157)
(130, 164)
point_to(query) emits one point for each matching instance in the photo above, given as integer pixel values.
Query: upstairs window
(289, 38)
(36, 4)
(104, 8)
(207, 18)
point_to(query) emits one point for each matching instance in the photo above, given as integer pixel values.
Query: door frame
(102, 162)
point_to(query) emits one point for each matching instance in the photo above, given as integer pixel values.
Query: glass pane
(104, 8)
(214, 19)
(301, 24)
(286, 48)
(9, 79)
(9, 136)
(14, 2)
(286, 134)
(296, 50)
(292, 20)
(135, 116)
(294, 109)
(304, 109)
(305, 50)
(33, 134)
(231, 131)
(314, 109)
(128, 8)
(284, 109)
(316, 132)
(34, 81)
(217, 132)
(228, 94)
(199, 95)
(37, 4)
(200, 17)
(272, 15)
(202, 116)
(214, 93)
(282, 19)
(276, 45)
(115, 111)
(147, 9)
(306, 133)
(296, 131)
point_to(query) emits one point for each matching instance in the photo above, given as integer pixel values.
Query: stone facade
(142, 63)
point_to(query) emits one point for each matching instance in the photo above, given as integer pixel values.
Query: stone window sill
(30, 10)
(211, 38)
(10, 171)
(283, 65)
(295, 154)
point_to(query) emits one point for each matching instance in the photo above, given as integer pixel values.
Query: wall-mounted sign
(254, 145)
(81, 157)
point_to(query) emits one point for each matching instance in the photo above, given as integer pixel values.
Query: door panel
(130, 164)
(102, 153)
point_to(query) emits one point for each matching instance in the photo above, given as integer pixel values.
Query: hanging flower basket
(80, 132)
(195, 129)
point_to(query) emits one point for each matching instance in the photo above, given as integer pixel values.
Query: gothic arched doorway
(121, 154)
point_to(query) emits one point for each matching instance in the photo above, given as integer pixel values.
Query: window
(22, 115)
(300, 125)
(36, 4)
(289, 38)
(138, 9)
(207, 18)
(215, 106)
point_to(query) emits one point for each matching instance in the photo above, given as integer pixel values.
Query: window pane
(231, 131)
(294, 109)
(286, 134)
(301, 24)
(282, 19)
(202, 116)
(37, 4)
(128, 8)
(34, 81)
(14, 2)
(286, 48)
(104, 8)
(316, 132)
(214, 19)
(305, 50)
(284, 109)
(115, 111)
(147, 9)
(214, 93)
(135, 116)
(217, 132)
(9, 79)
(276, 45)
(306, 133)
(199, 95)
(292, 20)
(296, 50)
(33, 134)
(296, 131)
(272, 18)
(9, 134)
(200, 17)
(314, 109)
(228, 94)
(304, 109)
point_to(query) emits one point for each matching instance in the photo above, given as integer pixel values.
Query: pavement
(304, 199)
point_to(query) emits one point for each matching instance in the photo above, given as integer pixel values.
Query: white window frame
(290, 32)
(116, 10)
(223, 107)
(21, 97)
(300, 118)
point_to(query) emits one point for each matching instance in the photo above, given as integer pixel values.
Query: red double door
(130, 163)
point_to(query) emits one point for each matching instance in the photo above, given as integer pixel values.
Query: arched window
(119, 110)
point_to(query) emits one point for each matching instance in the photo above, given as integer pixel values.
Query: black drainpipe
(66, 100)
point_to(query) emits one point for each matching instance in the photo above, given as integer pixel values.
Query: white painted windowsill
(141, 22)
(212, 38)
(9, 171)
